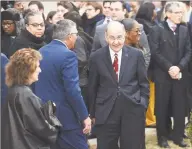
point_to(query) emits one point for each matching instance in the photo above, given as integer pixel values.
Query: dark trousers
(125, 122)
(170, 102)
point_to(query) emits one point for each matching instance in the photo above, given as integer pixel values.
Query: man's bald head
(115, 25)
(115, 35)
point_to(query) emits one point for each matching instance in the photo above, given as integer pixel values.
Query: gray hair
(31, 14)
(63, 28)
(171, 5)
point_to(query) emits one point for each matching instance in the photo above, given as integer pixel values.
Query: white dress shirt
(112, 54)
(107, 18)
(171, 24)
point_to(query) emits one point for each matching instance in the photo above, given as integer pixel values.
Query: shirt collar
(112, 53)
(62, 42)
(171, 24)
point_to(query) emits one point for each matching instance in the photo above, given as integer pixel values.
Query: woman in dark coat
(32, 35)
(90, 18)
(24, 125)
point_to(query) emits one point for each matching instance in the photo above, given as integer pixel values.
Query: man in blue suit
(59, 81)
(4, 61)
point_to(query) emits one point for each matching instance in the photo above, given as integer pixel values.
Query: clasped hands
(174, 72)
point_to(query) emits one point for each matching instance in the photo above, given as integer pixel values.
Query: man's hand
(87, 125)
(174, 72)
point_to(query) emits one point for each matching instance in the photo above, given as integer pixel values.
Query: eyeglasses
(178, 12)
(7, 23)
(119, 38)
(37, 25)
(76, 33)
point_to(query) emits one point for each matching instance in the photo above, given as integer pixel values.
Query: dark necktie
(108, 21)
(115, 65)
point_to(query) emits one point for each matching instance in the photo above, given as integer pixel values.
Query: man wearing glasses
(118, 92)
(32, 35)
(171, 53)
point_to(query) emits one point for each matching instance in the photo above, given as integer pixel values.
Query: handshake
(87, 125)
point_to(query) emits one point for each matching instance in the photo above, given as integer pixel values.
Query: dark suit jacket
(24, 126)
(59, 82)
(163, 49)
(104, 88)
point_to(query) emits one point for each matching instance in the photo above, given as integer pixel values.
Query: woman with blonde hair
(24, 125)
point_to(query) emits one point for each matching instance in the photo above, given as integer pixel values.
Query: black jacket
(23, 125)
(26, 40)
(166, 53)
(89, 25)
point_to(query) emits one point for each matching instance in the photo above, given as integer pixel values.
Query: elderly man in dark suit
(118, 92)
(118, 11)
(171, 52)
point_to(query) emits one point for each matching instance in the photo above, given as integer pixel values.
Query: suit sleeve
(93, 82)
(154, 43)
(143, 81)
(144, 43)
(96, 41)
(34, 120)
(71, 86)
(187, 54)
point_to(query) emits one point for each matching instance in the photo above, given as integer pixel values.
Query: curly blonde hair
(21, 66)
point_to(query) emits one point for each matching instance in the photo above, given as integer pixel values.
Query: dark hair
(26, 11)
(96, 6)
(38, 3)
(122, 2)
(30, 14)
(186, 2)
(66, 5)
(146, 11)
(106, 2)
(128, 23)
(75, 17)
(50, 15)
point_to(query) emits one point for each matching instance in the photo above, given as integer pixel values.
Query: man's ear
(106, 36)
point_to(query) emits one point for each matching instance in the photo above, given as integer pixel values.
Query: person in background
(146, 16)
(36, 6)
(134, 8)
(19, 5)
(92, 15)
(4, 61)
(188, 11)
(106, 12)
(160, 13)
(170, 53)
(10, 27)
(24, 126)
(59, 81)
(32, 35)
(52, 18)
(62, 8)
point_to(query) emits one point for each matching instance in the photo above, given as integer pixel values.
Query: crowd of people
(95, 69)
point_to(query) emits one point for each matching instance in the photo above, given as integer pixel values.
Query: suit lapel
(108, 62)
(124, 62)
(180, 37)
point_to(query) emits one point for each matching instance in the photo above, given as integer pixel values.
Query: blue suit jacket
(4, 61)
(59, 82)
